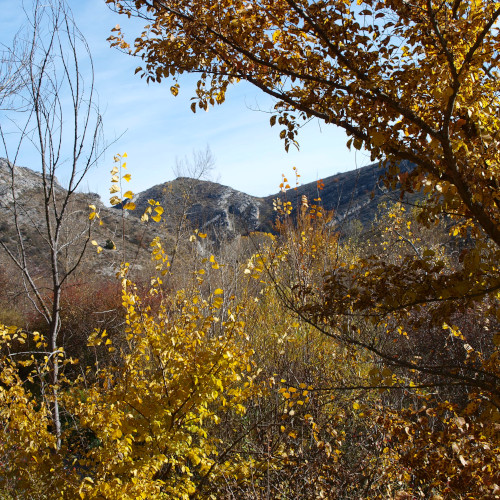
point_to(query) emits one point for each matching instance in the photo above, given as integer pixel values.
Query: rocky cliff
(188, 204)
(208, 206)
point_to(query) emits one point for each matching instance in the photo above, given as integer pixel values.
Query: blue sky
(157, 127)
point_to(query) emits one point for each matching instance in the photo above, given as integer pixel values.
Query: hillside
(221, 211)
(208, 206)
(224, 212)
(351, 195)
(28, 194)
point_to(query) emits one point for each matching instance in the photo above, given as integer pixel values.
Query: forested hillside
(337, 340)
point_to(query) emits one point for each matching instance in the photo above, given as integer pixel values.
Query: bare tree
(53, 111)
(13, 61)
(198, 168)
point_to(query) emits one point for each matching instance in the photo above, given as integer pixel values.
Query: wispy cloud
(158, 127)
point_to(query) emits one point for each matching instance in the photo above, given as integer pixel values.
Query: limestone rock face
(25, 180)
(210, 207)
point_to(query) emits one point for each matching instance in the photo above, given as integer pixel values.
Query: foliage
(321, 367)
(144, 429)
(206, 394)
(419, 356)
(407, 80)
(411, 81)
(435, 451)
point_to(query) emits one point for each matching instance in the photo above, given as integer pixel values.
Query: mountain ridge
(227, 211)
(188, 204)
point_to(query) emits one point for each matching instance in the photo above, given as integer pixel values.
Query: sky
(156, 129)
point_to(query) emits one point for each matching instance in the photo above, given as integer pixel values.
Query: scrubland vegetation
(257, 379)
(322, 360)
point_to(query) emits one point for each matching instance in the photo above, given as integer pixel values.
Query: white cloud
(249, 154)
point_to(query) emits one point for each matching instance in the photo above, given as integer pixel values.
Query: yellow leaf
(114, 188)
(128, 194)
(127, 177)
(218, 291)
(129, 206)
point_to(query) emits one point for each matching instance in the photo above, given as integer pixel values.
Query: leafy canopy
(406, 79)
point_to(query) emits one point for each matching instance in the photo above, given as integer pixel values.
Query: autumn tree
(407, 80)
(418, 378)
(411, 81)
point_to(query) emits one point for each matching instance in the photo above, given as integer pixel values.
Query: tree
(422, 380)
(197, 169)
(12, 61)
(56, 114)
(407, 80)
(163, 422)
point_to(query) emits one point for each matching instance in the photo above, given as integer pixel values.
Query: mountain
(27, 192)
(208, 206)
(220, 211)
(224, 212)
(351, 195)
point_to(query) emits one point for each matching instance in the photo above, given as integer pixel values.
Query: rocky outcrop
(25, 180)
(210, 207)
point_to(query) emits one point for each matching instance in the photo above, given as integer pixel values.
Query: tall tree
(55, 112)
(412, 80)
(408, 80)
